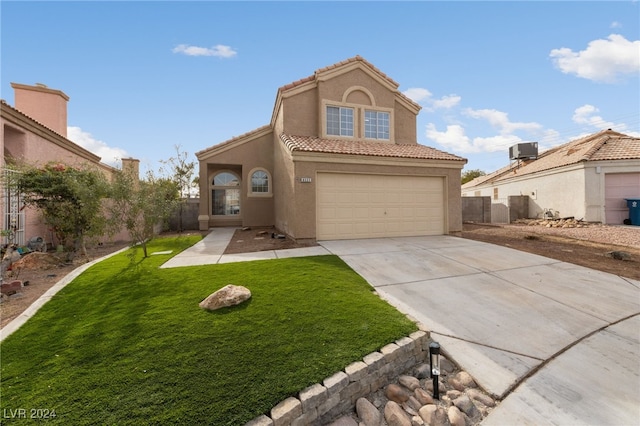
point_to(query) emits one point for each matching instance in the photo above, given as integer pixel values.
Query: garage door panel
(370, 206)
(619, 186)
(327, 213)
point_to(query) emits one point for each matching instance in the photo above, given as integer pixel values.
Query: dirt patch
(247, 240)
(40, 271)
(585, 247)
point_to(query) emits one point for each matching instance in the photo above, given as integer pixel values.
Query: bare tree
(142, 205)
(181, 172)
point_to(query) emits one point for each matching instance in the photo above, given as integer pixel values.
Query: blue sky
(143, 77)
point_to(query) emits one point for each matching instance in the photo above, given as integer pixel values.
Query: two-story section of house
(339, 160)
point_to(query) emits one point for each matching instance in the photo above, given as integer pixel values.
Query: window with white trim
(339, 121)
(376, 125)
(259, 182)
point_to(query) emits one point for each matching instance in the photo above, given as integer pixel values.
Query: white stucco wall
(546, 190)
(577, 190)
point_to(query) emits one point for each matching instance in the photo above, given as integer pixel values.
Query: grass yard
(126, 343)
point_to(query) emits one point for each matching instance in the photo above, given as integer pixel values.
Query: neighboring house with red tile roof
(338, 160)
(587, 178)
(34, 131)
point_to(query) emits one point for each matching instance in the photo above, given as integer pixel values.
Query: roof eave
(19, 119)
(233, 143)
(339, 158)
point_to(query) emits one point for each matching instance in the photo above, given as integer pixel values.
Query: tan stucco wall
(299, 115)
(284, 174)
(335, 88)
(302, 215)
(404, 125)
(241, 160)
(302, 112)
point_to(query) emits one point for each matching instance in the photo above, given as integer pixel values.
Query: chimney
(47, 106)
(131, 165)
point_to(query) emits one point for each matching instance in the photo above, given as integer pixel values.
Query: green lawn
(126, 343)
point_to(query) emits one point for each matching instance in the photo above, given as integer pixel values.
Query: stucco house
(34, 131)
(338, 160)
(587, 178)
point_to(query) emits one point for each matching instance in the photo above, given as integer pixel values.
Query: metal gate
(13, 219)
(500, 210)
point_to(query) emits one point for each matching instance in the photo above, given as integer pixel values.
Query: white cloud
(455, 139)
(602, 60)
(496, 143)
(586, 114)
(447, 102)
(109, 155)
(454, 136)
(219, 50)
(500, 120)
(417, 94)
(424, 96)
(615, 24)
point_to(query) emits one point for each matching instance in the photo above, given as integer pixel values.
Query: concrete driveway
(560, 342)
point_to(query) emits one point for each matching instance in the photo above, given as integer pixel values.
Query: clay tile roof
(604, 145)
(368, 148)
(356, 58)
(617, 148)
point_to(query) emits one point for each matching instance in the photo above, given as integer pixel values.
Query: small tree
(181, 172)
(141, 205)
(70, 199)
(470, 175)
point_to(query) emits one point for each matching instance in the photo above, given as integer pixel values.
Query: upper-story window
(339, 121)
(376, 125)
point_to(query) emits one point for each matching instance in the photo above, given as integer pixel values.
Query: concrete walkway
(210, 251)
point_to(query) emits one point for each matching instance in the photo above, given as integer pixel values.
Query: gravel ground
(605, 234)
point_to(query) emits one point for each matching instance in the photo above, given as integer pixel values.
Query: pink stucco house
(34, 130)
(339, 159)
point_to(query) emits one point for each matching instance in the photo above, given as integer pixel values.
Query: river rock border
(382, 387)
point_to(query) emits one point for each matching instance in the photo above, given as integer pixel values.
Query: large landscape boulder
(229, 295)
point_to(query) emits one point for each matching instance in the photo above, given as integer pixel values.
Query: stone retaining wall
(319, 404)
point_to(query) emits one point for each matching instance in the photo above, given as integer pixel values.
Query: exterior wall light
(434, 362)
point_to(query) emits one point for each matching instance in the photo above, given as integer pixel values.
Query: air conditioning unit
(524, 151)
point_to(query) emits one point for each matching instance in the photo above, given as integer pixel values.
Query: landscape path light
(434, 363)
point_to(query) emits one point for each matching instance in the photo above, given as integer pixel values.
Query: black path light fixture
(434, 363)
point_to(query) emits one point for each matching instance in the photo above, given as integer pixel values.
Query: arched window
(225, 194)
(259, 182)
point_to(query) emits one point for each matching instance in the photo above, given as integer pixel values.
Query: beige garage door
(617, 187)
(369, 206)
